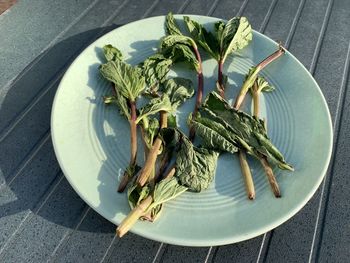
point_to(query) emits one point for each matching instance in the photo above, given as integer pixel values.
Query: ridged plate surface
(92, 142)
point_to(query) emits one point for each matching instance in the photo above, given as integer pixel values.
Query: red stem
(199, 91)
(133, 146)
(272, 57)
(220, 78)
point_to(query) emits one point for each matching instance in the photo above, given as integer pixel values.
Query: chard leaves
(183, 53)
(178, 49)
(171, 40)
(228, 38)
(242, 130)
(112, 53)
(127, 79)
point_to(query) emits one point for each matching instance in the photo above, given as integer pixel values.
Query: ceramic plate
(91, 142)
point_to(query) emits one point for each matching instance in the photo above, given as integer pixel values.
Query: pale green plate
(91, 142)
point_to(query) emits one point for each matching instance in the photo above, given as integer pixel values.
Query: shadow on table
(28, 168)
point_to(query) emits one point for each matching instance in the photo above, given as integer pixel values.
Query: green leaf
(165, 190)
(182, 53)
(171, 26)
(121, 102)
(136, 194)
(236, 35)
(171, 138)
(171, 40)
(172, 122)
(154, 106)
(127, 79)
(151, 130)
(204, 38)
(263, 85)
(246, 132)
(112, 53)
(195, 166)
(155, 68)
(214, 135)
(178, 90)
(219, 28)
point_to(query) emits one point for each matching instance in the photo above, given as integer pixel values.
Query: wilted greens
(228, 37)
(184, 48)
(173, 163)
(240, 130)
(129, 83)
(195, 170)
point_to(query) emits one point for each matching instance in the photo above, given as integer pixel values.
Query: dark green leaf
(112, 53)
(171, 26)
(172, 40)
(171, 138)
(155, 68)
(182, 53)
(214, 135)
(195, 166)
(246, 132)
(172, 122)
(236, 35)
(219, 28)
(136, 194)
(127, 79)
(150, 130)
(178, 90)
(204, 38)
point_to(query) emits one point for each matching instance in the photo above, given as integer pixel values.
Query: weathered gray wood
(38, 206)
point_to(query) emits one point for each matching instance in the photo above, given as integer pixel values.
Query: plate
(91, 142)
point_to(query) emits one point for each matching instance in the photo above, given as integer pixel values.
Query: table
(42, 219)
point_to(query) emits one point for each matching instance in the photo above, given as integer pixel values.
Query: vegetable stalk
(220, 78)
(138, 211)
(253, 74)
(133, 216)
(251, 83)
(133, 148)
(153, 153)
(247, 175)
(199, 95)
